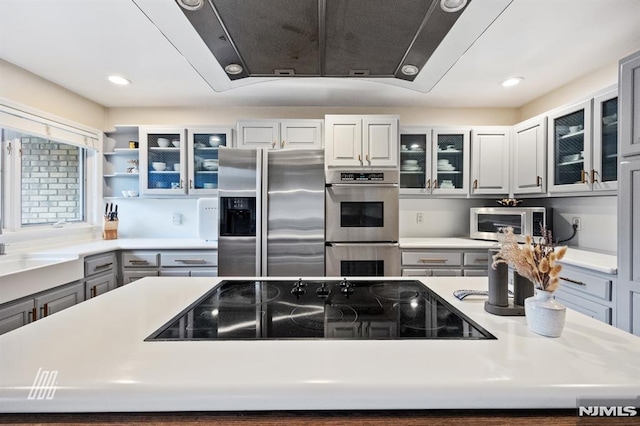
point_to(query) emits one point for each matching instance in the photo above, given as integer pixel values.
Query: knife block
(110, 229)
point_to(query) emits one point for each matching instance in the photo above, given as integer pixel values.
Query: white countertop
(101, 246)
(606, 263)
(103, 364)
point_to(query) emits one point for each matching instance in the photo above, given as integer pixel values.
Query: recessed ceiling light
(119, 80)
(510, 82)
(409, 70)
(233, 69)
(191, 4)
(452, 5)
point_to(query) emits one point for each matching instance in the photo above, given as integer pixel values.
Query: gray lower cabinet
(444, 262)
(100, 272)
(23, 311)
(628, 285)
(138, 264)
(589, 292)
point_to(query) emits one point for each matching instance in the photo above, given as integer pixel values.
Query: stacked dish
(410, 166)
(444, 165)
(447, 184)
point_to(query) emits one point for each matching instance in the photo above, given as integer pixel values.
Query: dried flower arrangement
(534, 261)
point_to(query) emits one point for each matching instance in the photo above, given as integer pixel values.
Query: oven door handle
(360, 185)
(365, 243)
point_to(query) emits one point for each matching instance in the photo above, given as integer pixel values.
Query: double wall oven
(362, 223)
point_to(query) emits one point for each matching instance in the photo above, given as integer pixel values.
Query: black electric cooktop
(327, 309)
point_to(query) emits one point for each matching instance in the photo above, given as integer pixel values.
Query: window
(48, 176)
(52, 180)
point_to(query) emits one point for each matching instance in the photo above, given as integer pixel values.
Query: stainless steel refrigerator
(271, 212)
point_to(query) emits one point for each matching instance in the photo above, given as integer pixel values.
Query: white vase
(545, 315)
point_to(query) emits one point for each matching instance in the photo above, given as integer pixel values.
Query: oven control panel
(362, 177)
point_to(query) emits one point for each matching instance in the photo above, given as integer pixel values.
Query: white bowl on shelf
(176, 143)
(210, 165)
(410, 162)
(163, 142)
(158, 166)
(176, 167)
(208, 185)
(132, 193)
(214, 141)
(125, 193)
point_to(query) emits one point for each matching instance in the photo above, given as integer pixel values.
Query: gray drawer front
(416, 272)
(431, 258)
(476, 272)
(139, 259)
(476, 259)
(190, 259)
(587, 307)
(99, 264)
(580, 282)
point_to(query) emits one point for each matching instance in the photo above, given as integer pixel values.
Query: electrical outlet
(177, 218)
(419, 217)
(577, 222)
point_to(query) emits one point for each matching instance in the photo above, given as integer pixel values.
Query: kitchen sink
(23, 274)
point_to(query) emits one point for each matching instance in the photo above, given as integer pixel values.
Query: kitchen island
(102, 362)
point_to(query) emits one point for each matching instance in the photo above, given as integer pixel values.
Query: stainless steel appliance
(362, 223)
(486, 222)
(320, 309)
(271, 212)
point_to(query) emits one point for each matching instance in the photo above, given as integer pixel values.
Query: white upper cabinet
(570, 149)
(529, 169)
(361, 141)
(630, 105)
(434, 161)
(490, 161)
(180, 161)
(280, 134)
(604, 175)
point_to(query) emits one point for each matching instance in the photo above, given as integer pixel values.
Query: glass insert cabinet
(434, 161)
(583, 152)
(181, 160)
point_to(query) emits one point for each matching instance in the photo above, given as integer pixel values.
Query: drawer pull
(192, 261)
(139, 262)
(93, 291)
(45, 310)
(34, 314)
(432, 260)
(573, 281)
(481, 260)
(104, 265)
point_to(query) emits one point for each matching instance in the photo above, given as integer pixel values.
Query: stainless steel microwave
(486, 222)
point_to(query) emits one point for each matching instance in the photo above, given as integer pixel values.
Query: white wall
(153, 218)
(442, 217)
(25, 88)
(599, 217)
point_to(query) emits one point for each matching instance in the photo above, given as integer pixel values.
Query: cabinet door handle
(45, 310)
(475, 184)
(192, 261)
(367, 158)
(33, 314)
(93, 291)
(428, 183)
(583, 176)
(593, 176)
(282, 146)
(360, 158)
(538, 181)
(432, 260)
(190, 183)
(435, 184)
(573, 281)
(104, 265)
(273, 144)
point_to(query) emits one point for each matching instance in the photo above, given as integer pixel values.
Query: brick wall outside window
(51, 184)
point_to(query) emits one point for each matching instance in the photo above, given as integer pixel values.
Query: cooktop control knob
(298, 288)
(323, 291)
(347, 287)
